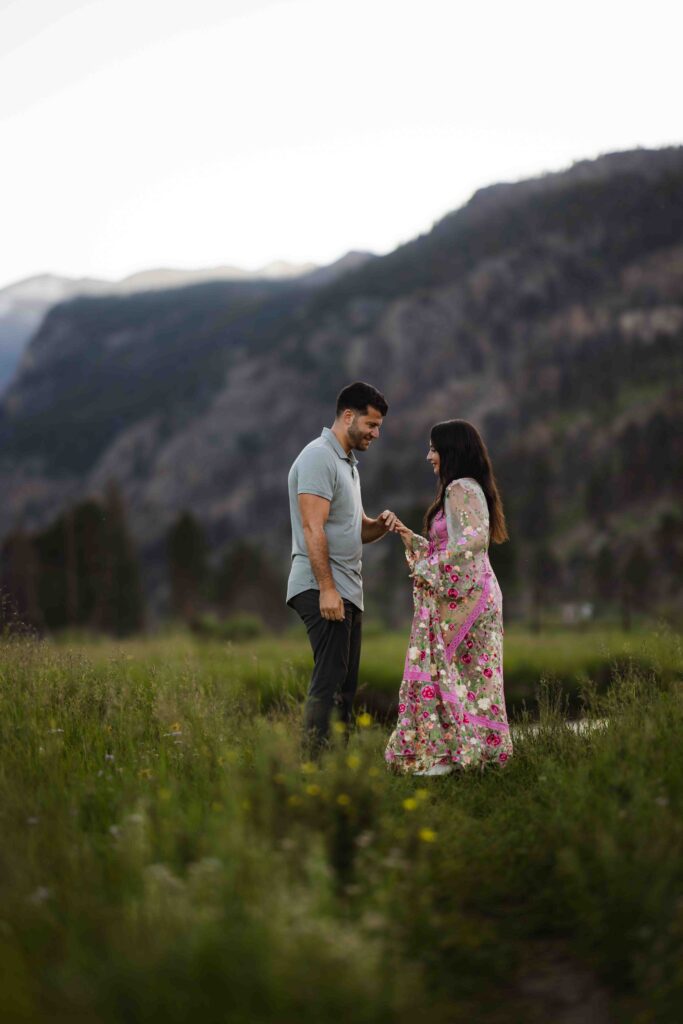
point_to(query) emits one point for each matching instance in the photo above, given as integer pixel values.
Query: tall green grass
(271, 668)
(166, 854)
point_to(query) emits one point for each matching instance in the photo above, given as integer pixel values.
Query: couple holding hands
(451, 704)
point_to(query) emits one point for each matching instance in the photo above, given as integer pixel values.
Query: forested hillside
(548, 312)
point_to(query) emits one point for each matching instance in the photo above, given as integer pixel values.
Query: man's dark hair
(358, 396)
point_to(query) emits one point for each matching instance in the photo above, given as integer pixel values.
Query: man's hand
(332, 605)
(388, 520)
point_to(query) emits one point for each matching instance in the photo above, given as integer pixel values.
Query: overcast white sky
(190, 133)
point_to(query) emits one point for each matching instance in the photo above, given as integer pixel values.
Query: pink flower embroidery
(423, 655)
(470, 643)
(484, 657)
(467, 658)
(488, 673)
(471, 695)
(495, 710)
(425, 714)
(432, 637)
(493, 739)
(448, 568)
(452, 604)
(453, 592)
(503, 756)
(401, 708)
(428, 692)
(454, 578)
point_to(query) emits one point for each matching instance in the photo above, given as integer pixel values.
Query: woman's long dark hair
(463, 453)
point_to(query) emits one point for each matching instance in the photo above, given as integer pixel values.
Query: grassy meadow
(167, 855)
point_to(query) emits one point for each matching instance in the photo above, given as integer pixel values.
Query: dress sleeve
(467, 520)
(417, 550)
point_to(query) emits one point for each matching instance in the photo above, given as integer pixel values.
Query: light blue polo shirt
(324, 468)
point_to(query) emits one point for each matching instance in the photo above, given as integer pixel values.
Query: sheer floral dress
(451, 701)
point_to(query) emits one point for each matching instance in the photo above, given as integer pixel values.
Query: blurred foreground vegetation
(167, 855)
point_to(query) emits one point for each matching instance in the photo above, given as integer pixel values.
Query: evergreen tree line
(80, 571)
(83, 571)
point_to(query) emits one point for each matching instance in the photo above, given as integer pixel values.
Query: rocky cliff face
(549, 313)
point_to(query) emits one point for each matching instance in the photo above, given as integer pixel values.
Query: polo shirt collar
(331, 438)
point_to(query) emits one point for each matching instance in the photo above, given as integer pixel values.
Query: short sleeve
(316, 473)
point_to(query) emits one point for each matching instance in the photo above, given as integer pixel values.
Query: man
(329, 528)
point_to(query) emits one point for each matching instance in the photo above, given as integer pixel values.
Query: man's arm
(373, 529)
(314, 512)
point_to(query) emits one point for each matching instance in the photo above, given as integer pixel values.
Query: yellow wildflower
(364, 720)
(427, 835)
(308, 767)
(339, 727)
(353, 761)
(313, 790)
(293, 800)
(343, 799)
(421, 794)
(410, 804)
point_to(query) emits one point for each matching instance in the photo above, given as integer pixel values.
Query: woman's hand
(404, 533)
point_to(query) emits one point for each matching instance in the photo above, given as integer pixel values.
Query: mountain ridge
(551, 317)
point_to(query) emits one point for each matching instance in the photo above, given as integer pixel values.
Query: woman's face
(435, 459)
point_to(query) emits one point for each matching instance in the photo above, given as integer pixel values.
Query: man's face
(363, 428)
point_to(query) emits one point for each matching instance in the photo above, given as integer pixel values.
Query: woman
(451, 701)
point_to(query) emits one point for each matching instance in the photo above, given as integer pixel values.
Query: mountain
(549, 312)
(22, 307)
(24, 303)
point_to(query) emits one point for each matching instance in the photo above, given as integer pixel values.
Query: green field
(272, 669)
(167, 856)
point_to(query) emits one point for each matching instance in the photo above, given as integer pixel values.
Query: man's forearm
(319, 556)
(372, 529)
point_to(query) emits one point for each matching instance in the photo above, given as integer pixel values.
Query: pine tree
(605, 582)
(120, 605)
(545, 577)
(19, 572)
(187, 561)
(635, 579)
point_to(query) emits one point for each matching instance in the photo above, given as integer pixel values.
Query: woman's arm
(414, 544)
(467, 521)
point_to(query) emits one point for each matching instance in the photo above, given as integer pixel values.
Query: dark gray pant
(336, 658)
